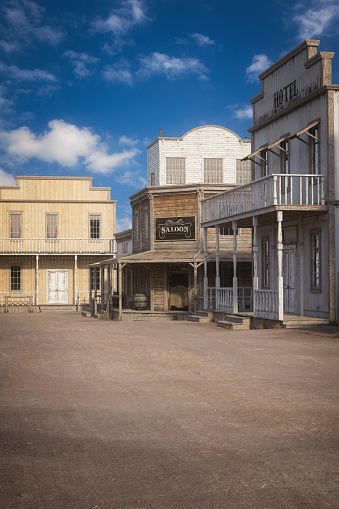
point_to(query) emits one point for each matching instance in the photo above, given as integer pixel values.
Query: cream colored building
(51, 229)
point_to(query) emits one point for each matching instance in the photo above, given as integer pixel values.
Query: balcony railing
(280, 189)
(57, 246)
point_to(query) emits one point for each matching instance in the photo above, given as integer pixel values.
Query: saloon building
(165, 269)
(51, 229)
(292, 203)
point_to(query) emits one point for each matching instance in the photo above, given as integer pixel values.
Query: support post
(75, 279)
(280, 267)
(36, 280)
(255, 261)
(195, 286)
(120, 289)
(205, 234)
(217, 266)
(235, 279)
(301, 267)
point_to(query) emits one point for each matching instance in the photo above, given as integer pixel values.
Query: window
(227, 230)
(266, 262)
(136, 225)
(94, 226)
(314, 150)
(213, 173)
(15, 225)
(315, 261)
(51, 226)
(146, 224)
(15, 278)
(94, 278)
(175, 170)
(243, 170)
(264, 162)
(152, 179)
(285, 165)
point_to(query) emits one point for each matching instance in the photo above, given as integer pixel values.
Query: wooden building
(292, 203)
(51, 229)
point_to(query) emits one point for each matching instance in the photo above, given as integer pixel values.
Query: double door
(57, 287)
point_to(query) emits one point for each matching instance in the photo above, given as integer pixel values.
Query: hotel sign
(175, 228)
(285, 94)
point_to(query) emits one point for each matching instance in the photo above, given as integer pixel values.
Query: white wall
(197, 144)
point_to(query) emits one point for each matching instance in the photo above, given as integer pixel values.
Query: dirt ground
(100, 414)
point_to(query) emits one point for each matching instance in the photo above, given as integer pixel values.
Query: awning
(306, 130)
(277, 144)
(256, 154)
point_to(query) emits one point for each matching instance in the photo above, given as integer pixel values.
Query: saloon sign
(175, 228)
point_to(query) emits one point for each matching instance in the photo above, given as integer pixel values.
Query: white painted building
(292, 203)
(206, 154)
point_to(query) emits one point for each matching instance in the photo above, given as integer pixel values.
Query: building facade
(51, 229)
(292, 204)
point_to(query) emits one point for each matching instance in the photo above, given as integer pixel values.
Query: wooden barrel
(140, 301)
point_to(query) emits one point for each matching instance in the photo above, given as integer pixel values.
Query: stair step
(232, 325)
(199, 318)
(312, 322)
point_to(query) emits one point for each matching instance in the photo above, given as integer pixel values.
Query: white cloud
(65, 144)
(202, 40)
(6, 179)
(126, 140)
(314, 19)
(15, 72)
(171, 67)
(132, 179)
(8, 47)
(243, 113)
(123, 19)
(124, 223)
(5, 103)
(25, 19)
(118, 73)
(81, 63)
(259, 64)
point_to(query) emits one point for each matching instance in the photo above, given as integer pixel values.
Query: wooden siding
(160, 294)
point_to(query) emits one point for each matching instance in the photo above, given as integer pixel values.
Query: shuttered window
(51, 226)
(175, 170)
(15, 225)
(213, 172)
(243, 170)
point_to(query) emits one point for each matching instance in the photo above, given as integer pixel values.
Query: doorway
(178, 288)
(290, 279)
(57, 287)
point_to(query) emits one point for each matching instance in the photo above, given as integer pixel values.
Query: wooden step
(199, 318)
(305, 322)
(232, 325)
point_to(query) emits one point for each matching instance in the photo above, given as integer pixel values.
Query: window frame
(314, 150)
(264, 163)
(19, 279)
(285, 168)
(207, 178)
(11, 214)
(90, 216)
(315, 288)
(266, 263)
(94, 278)
(56, 215)
(181, 180)
(242, 167)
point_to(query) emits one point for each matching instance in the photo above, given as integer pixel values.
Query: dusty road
(173, 415)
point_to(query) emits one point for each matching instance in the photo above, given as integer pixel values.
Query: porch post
(195, 284)
(36, 280)
(280, 267)
(120, 290)
(75, 279)
(301, 267)
(255, 261)
(217, 263)
(235, 279)
(205, 233)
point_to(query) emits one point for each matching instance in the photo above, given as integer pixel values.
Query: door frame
(66, 289)
(292, 247)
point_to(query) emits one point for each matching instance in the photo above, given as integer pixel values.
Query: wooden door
(57, 287)
(290, 279)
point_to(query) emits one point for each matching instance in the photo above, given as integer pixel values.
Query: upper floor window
(15, 225)
(213, 172)
(175, 170)
(146, 223)
(285, 165)
(15, 278)
(136, 225)
(315, 261)
(264, 162)
(51, 226)
(243, 171)
(94, 226)
(314, 150)
(152, 179)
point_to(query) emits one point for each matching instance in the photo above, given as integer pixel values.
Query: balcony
(274, 191)
(57, 246)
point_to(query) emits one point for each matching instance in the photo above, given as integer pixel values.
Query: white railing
(57, 246)
(278, 189)
(211, 298)
(245, 298)
(266, 304)
(225, 300)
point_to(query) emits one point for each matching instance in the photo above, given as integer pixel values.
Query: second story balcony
(278, 191)
(69, 246)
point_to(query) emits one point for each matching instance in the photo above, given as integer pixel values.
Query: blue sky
(85, 86)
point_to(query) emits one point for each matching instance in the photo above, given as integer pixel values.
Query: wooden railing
(222, 299)
(225, 300)
(266, 304)
(15, 301)
(278, 189)
(57, 246)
